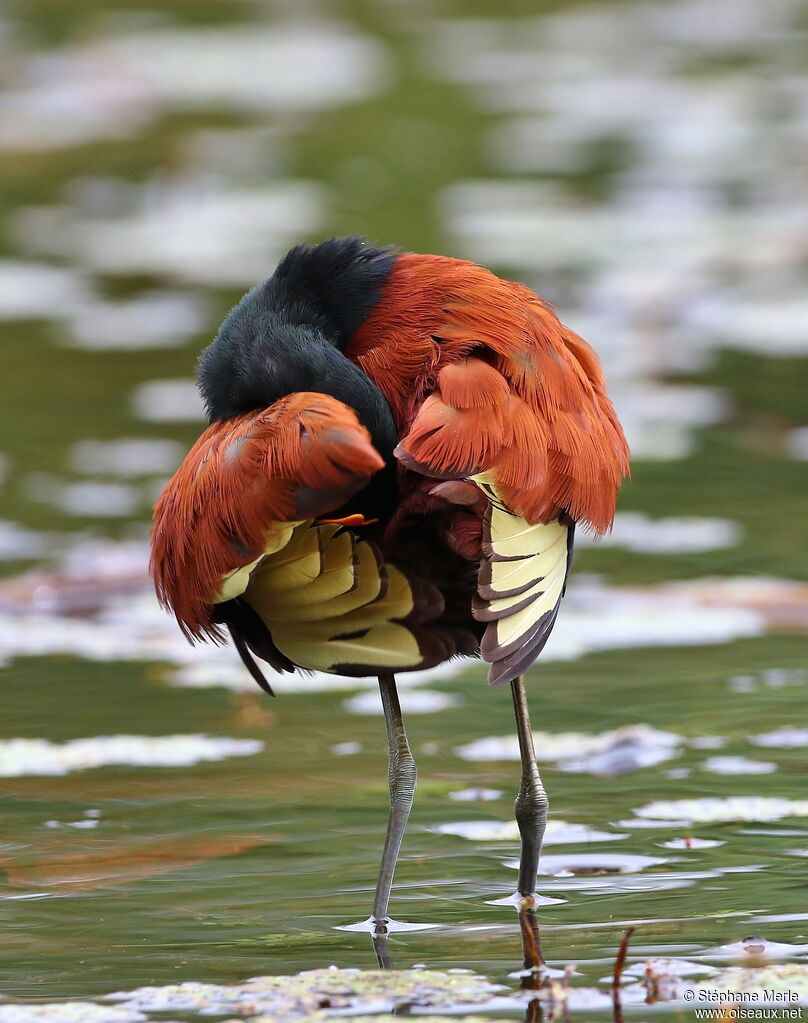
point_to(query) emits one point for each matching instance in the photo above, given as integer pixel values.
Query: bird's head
(287, 335)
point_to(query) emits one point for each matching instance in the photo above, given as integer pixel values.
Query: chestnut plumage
(446, 416)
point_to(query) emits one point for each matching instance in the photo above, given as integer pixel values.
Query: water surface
(641, 164)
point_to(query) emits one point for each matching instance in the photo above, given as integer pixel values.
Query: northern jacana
(400, 448)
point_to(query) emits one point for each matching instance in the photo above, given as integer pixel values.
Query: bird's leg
(401, 776)
(531, 804)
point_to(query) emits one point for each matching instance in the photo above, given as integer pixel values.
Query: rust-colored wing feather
(245, 477)
(519, 408)
(537, 417)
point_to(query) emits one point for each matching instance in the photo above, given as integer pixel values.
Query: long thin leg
(531, 804)
(401, 776)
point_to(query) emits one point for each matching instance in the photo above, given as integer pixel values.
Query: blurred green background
(644, 165)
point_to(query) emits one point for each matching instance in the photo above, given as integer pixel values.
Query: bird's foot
(517, 899)
(385, 926)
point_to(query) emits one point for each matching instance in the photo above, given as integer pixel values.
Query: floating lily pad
(738, 765)
(667, 968)
(19, 757)
(754, 950)
(610, 753)
(598, 880)
(779, 984)
(576, 998)
(635, 531)
(69, 1012)
(649, 823)
(721, 810)
(132, 456)
(346, 749)
(690, 844)
(558, 832)
(668, 980)
(476, 795)
(782, 738)
(413, 701)
(596, 863)
(707, 742)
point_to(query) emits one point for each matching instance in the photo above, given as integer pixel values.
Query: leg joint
(402, 774)
(532, 800)
(532, 804)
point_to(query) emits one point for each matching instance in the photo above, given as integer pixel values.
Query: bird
(399, 451)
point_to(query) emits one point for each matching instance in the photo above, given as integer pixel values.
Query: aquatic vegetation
(413, 701)
(738, 765)
(168, 401)
(558, 832)
(782, 983)
(754, 950)
(788, 737)
(608, 753)
(39, 757)
(718, 810)
(68, 1012)
(690, 843)
(587, 864)
(476, 795)
(642, 534)
(304, 995)
(129, 456)
(311, 997)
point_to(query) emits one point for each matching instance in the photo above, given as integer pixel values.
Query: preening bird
(400, 449)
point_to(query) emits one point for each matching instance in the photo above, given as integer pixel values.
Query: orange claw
(357, 519)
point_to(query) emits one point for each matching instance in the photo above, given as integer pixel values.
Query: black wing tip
(249, 661)
(509, 665)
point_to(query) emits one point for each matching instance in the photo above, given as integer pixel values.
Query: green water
(288, 840)
(249, 865)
